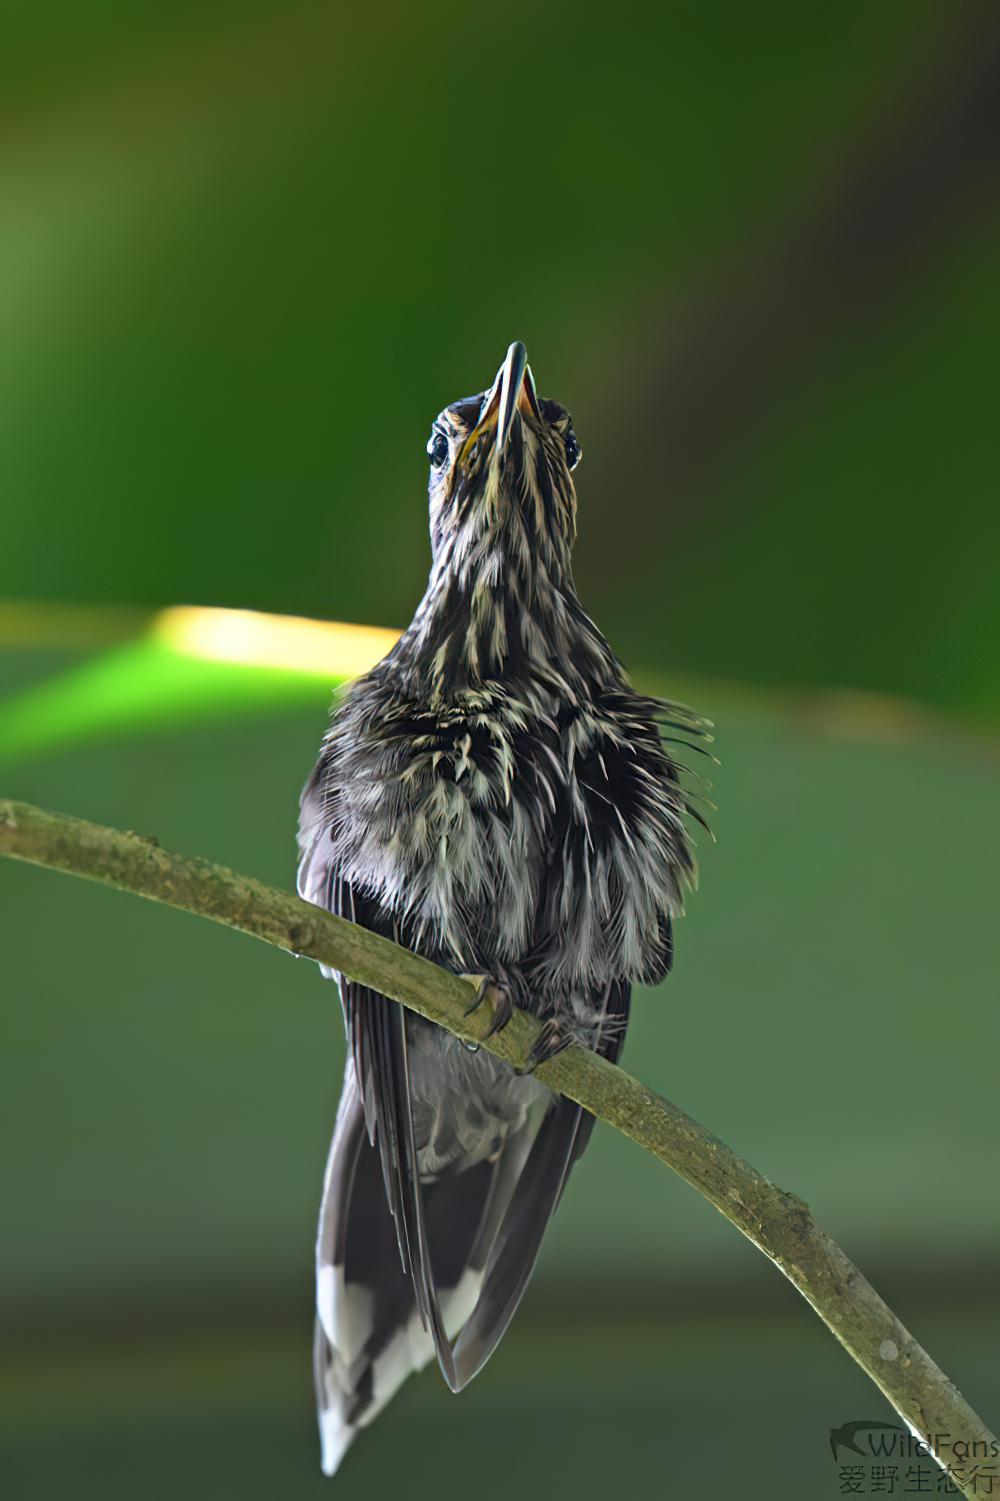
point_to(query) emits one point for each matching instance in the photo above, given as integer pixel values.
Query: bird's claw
(500, 997)
(482, 984)
(551, 1040)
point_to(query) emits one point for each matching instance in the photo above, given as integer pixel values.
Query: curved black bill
(513, 389)
(511, 381)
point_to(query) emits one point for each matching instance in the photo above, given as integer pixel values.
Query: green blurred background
(247, 252)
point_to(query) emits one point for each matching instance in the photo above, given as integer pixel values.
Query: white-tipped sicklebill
(495, 795)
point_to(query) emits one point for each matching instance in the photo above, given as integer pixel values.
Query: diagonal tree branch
(778, 1223)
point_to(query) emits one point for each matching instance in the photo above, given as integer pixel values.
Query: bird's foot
(499, 995)
(552, 1039)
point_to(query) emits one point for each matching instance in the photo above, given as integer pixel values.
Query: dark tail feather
(516, 1242)
(530, 1176)
(520, 1220)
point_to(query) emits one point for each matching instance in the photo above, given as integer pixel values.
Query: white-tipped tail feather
(369, 1335)
(409, 1350)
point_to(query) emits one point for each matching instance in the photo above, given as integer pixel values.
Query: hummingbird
(495, 795)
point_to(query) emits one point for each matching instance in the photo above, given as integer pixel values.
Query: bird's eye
(437, 448)
(572, 447)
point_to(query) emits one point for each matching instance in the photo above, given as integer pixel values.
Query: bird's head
(500, 474)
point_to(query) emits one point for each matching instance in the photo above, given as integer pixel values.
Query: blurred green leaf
(190, 664)
(144, 686)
